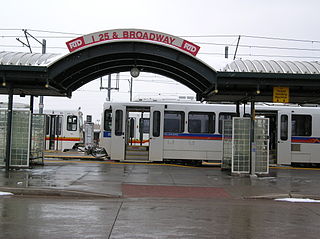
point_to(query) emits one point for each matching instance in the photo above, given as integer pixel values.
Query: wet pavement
(102, 199)
(37, 217)
(112, 179)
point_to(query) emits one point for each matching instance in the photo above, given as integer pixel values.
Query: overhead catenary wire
(262, 47)
(44, 31)
(62, 35)
(186, 36)
(251, 36)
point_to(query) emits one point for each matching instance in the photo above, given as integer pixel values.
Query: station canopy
(239, 81)
(243, 80)
(27, 71)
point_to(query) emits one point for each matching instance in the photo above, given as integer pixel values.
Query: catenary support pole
(109, 87)
(131, 82)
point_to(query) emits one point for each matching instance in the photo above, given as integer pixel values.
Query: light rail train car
(64, 129)
(158, 131)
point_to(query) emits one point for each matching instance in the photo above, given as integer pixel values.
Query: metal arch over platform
(83, 66)
(102, 53)
(243, 80)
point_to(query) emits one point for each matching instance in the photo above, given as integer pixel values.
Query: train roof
(258, 106)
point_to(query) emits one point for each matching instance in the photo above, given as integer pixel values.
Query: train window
(72, 122)
(131, 127)
(47, 124)
(284, 127)
(118, 123)
(201, 122)
(144, 125)
(225, 116)
(58, 124)
(173, 122)
(301, 125)
(107, 125)
(156, 124)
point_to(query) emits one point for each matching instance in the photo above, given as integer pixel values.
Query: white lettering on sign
(132, 34)
(75, 44)
(190, 47)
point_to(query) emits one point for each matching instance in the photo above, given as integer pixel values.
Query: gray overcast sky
(294, 19)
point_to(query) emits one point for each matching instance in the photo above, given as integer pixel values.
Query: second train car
(64, 129)
(158, 131)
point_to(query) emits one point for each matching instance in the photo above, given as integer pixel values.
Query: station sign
(280, 94)
(132, 34)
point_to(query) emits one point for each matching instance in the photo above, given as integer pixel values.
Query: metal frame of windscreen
(240, 162)
(38, 138)
(20, 144)
(226, 145)
(88, 134)
(3, 136)
(261, 139)
(20, 140)
(20, 137)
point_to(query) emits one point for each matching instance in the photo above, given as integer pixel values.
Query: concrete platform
(103, 199)
(134, 180)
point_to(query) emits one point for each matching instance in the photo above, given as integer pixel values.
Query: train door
(273, 132)
(53, 125)
(284, 138)
(137, 137)
(156, 131)
(118, 133)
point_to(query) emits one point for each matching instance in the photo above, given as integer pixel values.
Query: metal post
(31, 103)
(238, 108)
(41, 105)
(131, 81)
(252, 143)
(30, 131)
(109, 87)
(9, 127)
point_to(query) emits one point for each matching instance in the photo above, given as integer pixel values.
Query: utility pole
(235, 53)
(131, 85)
(44, 45)
(109, 87)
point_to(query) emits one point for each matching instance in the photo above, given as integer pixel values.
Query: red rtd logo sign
(190, 47)
(75, 44)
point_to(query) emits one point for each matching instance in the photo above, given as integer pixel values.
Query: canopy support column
(9, 127)
(252, 143)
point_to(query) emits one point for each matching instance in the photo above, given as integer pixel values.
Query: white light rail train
(158, 131)
(64, 129)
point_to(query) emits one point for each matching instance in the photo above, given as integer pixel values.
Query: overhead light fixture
(134, 72)
(258, 90)
(47, 84)
(215, 91)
